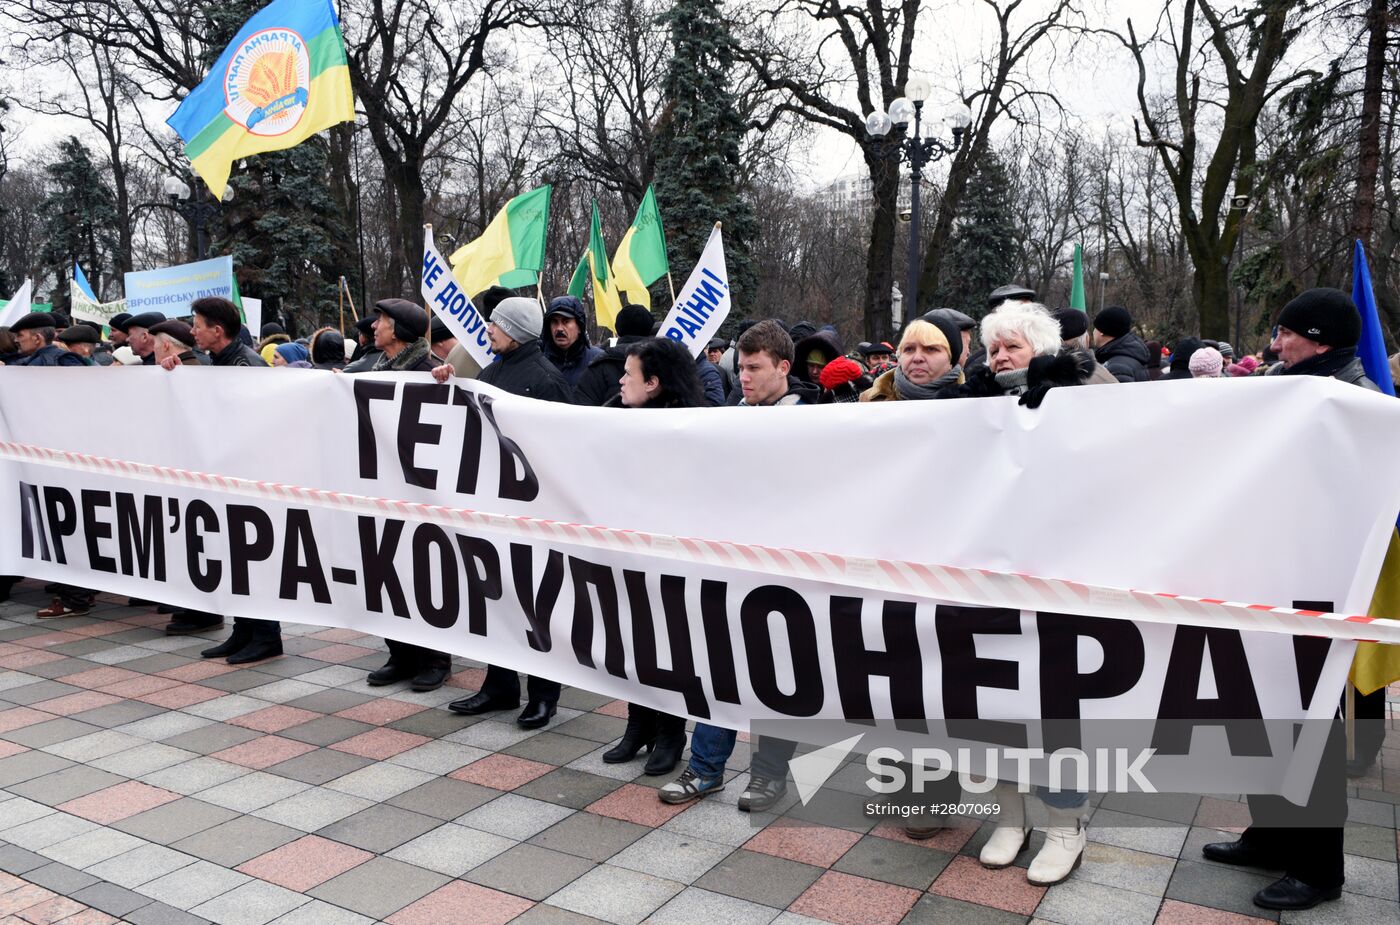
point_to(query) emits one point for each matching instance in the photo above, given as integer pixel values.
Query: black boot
(432, 672)
(668, 746)
(256, 650)
(640, 734)
(391, 671)
(237, 641)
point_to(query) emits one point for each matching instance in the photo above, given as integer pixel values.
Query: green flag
(1076, 289)
(606, 304)
(641, 256)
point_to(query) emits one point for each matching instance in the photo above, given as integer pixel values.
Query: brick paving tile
(118, 802)
(184, 695)
(379, 743)
(94, 678)
(1008, 889)
(76, 703)
(262, 752)
(381, 712)
(135, 687)
(273, 719)
(20, 717)
(52, 910)
(502, 772)
(28, 659)
(850, 900)
(1174, 912)
(339, 653)
(811, 844)
(304, 863)
(634, 803)
(22, 898)
(488, 906)
(197, 671)
(616, 708)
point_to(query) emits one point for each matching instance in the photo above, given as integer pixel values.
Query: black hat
(33, 321)
(1073, 323)
(1113, 321)
(176, 329)
(410, 320)
(964, 321)
(119, 321)
(60, 320)
(440, 330)
(366, 324)
(144, 320)
(879, 349)
(800, 330)
(568, 305)
(950, 332)
(487, 300)
(270, 329)
(633, 321)
(1006, 293)
(79, 334)
(1326, 316)
(717, 343)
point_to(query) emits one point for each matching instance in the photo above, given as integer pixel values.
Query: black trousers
(1306, 841)
(258, 630)
(75, 598)
(504, 684)
(420, 657)
(1370, 724)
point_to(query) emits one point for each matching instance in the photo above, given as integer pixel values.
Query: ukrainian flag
(282, 79)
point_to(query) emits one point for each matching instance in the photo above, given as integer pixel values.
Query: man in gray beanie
(521, 369)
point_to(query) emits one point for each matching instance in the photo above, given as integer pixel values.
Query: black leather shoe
(236, 642)
(1292, 893)
(167, 608)
(179, 627)
(535, 714)
(256, 652)
(1238, 852)
(138, 602)
(430, 678)
(388, 673)
(1360, 766)
(477, 704)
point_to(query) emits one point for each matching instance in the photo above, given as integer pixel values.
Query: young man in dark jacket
(521, 369)
(1116, 346)
(567, 345)
(1317, 336)
(35, 333)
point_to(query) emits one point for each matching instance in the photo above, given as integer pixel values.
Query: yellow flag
(1376, 664)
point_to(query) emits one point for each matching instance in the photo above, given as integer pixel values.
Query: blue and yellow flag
(1376, 665)
(282, 79)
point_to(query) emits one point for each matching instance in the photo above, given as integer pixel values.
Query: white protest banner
(84, 308)
(703, 303)
(452, 517)
(171, 290)
(446, 300)
(18, 306)
(252, 315)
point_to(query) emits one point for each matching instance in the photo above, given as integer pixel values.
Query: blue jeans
(1063, 799)
(710, 748)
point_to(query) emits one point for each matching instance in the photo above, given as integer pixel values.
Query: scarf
(1326, 364)
(1013, 381)
(406, 358)
(908, 390)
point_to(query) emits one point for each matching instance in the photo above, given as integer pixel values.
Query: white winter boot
(1063, 849)
(1012, 834)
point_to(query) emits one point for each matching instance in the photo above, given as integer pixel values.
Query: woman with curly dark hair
(658, 373)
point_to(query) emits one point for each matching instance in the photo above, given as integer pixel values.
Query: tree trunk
(879, 260)
(1210, 285)
(405, 175)
(1369, 139)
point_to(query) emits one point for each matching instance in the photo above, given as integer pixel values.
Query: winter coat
(1044, 373)
(824, 342)
(237, 354)
(711, 381)
(884, 389)
(573, 360)
(415, 358)
(365, 362)
(464, 365)
(1126, 357)
(272, 340)
(600, 382)
(1101, 374)
(50, 355)
(190, 358)
(525, 371)
(798, 393)
(328, 351)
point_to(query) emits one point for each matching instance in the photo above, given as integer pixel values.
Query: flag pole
(349, 297)
(1351, 721)
(428, 304)
(341, 292)
(672, 283)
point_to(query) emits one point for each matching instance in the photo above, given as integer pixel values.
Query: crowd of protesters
(1019, 348)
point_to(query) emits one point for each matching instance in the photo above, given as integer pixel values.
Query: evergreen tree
(984, 251)
(79, 218)
(697, 167)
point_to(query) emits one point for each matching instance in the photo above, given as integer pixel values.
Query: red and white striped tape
(974, 587)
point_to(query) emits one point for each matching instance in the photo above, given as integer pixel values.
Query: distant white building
(854, 192)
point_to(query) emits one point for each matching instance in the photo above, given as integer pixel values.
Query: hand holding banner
(703, 303)
(446, 298)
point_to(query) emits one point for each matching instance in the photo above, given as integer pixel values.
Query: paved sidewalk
(140, 783)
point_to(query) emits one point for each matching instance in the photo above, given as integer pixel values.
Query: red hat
(840, 371)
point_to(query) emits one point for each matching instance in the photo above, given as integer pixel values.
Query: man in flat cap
(80, 340)
(441, 338)
(117, 324)
(138, 335)
(399, 329)
(175, 343)
(35, 335)
(366, 353)
(1009, 293)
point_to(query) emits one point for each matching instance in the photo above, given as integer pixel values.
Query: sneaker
(689, 786)
(762, 793)
(58, 609)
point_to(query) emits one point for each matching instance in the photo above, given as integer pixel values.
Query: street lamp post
(194, 207)
(1239, 204)
(919, 153)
